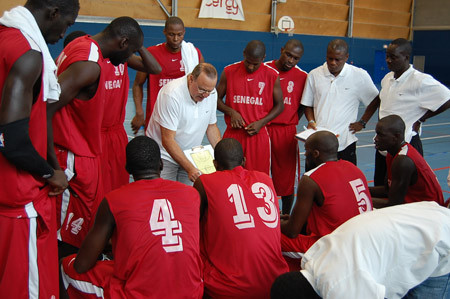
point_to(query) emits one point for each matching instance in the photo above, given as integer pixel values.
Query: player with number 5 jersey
(332, 192)
(154, 225)
(240, 239)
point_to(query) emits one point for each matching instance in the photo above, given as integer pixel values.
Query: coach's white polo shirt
(410, 96)
(335, 100)
(176, 110)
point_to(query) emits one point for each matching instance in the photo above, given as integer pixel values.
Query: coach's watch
(363, 123)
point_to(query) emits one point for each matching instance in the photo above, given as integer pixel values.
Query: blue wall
(435, 46)
(222, 47)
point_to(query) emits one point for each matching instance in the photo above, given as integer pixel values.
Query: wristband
(421, 121)
(49, 174)
(363, 123)
(311, 121)
(17, 148)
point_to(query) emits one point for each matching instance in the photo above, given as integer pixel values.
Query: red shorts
(28, 251)
(256, 148)
(285, 158)
(113, 159)
(76, 207)
(295, 248)
(92, 284)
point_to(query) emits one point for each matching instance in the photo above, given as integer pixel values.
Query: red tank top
(156, 240)
(18, 187)
(240, 234)
(116, 95)
(249, 94)
(77, 126)
(292, 83)
(345, 193)
(427, 187)
(172, 68)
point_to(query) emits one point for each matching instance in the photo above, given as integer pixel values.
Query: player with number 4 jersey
(240, 240)
(154, 225)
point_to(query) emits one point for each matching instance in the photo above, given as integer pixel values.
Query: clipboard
(303, 135)
(202, 157)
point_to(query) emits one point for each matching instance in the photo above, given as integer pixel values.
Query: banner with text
(222, 9)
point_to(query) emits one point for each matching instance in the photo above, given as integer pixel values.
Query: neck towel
(189, 56)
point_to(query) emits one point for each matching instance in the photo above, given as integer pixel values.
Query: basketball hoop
(286, 24)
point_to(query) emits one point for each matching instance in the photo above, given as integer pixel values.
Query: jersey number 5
(163, 222)
(363, 200)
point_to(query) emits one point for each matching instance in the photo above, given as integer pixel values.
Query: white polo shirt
(381, 254)
(177, 111)
(411, 96)
(335, 100)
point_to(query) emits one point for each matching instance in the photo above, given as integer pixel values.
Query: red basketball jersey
(427, 187)
(249, 94)
(292, 83)
(114, 137)
(346, 194)
(18, 187)
(77, 126)
(240, 234)
(172, 68)
(156, 240)
(116, 87)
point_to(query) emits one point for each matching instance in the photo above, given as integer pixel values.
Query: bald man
(240, 235)
(332, 96)
(332, 192)
(253, 99)
(409, 178)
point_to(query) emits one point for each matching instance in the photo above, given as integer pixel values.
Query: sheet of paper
(303, 135)
(202, 157)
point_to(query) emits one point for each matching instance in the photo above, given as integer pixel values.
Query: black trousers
(348, 153)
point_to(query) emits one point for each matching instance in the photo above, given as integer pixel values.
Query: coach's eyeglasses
(205, 92)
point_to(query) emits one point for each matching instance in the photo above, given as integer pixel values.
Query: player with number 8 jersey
(240, 239)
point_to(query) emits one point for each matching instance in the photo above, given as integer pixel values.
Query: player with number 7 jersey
(240, 230)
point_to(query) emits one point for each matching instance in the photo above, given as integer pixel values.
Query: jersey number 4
(268, 213)
(163, 222)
